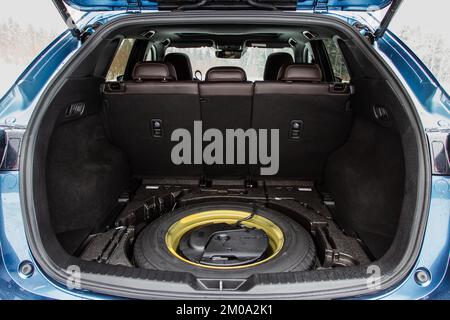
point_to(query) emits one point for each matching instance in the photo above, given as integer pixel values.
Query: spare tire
(296, 251)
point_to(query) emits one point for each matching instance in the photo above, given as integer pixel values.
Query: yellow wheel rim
(181, 227)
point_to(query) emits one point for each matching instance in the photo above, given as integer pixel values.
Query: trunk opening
(105, 169)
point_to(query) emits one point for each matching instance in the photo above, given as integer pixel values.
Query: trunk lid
(316, 5)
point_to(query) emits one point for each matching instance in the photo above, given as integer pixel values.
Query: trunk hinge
(62, 9)
(320, 6)
(134, 6)
(379, 33)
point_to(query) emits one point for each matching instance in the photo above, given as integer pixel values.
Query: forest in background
(20, 44)
(432, 49)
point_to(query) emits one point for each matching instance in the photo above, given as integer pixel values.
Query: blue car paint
(347, 5)
(18, 103)
(105, 5)
(434, 255)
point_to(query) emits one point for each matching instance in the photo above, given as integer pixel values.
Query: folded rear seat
(313, 118)
(143, 113)
(226, 103)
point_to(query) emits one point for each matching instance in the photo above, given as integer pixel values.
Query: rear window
(119, 63)
(253, 61)
(337, 61)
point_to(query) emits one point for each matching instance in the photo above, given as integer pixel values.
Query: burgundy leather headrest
(153, 71)
(275, 61)
(182, 65)
(298, 72)
(226, 74)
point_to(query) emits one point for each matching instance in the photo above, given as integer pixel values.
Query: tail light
(10, 143)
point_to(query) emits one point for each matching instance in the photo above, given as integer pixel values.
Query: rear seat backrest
(136, 109)
(312, 117)
(226, 102)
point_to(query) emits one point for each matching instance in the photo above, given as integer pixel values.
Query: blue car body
(16, 107)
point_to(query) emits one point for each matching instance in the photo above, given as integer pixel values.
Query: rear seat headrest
(275, 61)
(226, 74)
(182, 65)
(154, 71)
(300, 72)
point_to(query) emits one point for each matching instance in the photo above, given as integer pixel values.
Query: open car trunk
(103, 172)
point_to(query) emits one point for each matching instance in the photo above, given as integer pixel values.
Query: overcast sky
(41, 13)
(433, 18)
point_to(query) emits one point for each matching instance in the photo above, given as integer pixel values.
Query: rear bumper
(434, 255)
